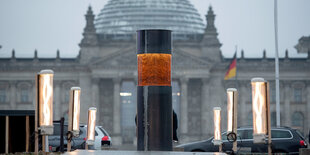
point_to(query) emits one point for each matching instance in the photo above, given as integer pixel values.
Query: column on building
(242, 112)
(184, 118)
(117, 112)
(13, 95)
(287, 105)
(205, 108)
(307, 117)
(57, 101)
(95, 96)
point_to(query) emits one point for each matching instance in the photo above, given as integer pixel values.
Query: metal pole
(27, 133)
(268, 118)
(277, 63)
(7, 134)
(62, 134)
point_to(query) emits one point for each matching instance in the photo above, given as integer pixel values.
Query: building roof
(126, 16)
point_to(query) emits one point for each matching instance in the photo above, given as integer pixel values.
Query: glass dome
(124, 17)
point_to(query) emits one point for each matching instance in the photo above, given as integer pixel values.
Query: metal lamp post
(91, 123)
(232, 102)
(44, 107)
(261, 112)
(74, 115)
(217, 140)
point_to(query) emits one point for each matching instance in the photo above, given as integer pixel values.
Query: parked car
(102, 138)
(284, 139)
(76, 142)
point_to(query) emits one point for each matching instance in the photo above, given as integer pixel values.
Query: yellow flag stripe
(231, 74)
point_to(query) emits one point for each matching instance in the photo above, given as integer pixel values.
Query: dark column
(154, 91)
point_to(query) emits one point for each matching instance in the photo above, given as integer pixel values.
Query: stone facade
(104, 69)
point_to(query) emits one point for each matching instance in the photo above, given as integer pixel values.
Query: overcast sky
(26, 25)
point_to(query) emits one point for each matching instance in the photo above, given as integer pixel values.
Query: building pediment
(127, 59)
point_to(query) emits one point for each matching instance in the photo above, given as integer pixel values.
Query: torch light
(232, 101)
(74, 111)
(91, 126)
(154, 99)
(45, 101)
(260, 108)
(217, 126)
(74, 115)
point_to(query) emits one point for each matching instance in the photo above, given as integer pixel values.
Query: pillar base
(117, 139)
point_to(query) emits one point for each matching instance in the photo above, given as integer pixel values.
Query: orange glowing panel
(154, 69)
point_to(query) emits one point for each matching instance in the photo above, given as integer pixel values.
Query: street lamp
(232, 102)
(74, 115)
(45, 101)
(91, 126)
(261, 111)
(44, 107)
(217, 127)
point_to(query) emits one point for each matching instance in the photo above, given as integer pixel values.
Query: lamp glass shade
(217, 123)
(45, 97)
(230, 111)
(259, 106)
(74, 109)
(91, 125)
(154, 69)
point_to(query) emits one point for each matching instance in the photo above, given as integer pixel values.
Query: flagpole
(236, 77)
(277, 64)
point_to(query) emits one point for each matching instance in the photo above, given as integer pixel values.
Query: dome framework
(125, 17)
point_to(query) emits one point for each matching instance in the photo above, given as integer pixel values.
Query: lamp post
(91, 126)
(232, 102)
(217, 127)
(154, 97)
(261, 112)
(44, 106)
(74, 115)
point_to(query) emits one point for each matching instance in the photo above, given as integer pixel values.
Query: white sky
(58, 24)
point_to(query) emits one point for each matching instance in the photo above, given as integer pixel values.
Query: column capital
(95, 80)
(184, 80)
(57, 82)
(12, 82)
(117, 80)
(205, 80)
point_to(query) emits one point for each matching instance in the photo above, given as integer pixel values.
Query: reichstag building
(106, 71)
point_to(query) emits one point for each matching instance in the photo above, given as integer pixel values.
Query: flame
(46, 94)
(259, 109)
(76, 111)
(217, 124)
(230, 111)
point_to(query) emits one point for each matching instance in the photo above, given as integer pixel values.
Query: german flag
(231, 72)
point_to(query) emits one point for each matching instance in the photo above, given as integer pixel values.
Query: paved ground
(111, 152)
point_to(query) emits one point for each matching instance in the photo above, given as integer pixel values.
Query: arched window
(298, 120)
(249, 119)
(273, 118)
(176, 94)
(298, 94)
(24, 92)
(4, 92)
(128, 107)
(2, 95)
